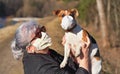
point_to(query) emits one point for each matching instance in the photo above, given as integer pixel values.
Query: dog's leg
(66, 55)
(96, 65)
(95, 59)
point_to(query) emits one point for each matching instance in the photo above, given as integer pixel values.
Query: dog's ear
(56, 12)
(75, 12)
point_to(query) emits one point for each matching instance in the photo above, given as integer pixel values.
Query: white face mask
(67, 22)
(43, 42)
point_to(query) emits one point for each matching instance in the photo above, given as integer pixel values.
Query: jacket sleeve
(45, 64)
(54, 69)
(81, 71)
(78, 70)
(71, 67)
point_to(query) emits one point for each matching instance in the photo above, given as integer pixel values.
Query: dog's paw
(63, 64)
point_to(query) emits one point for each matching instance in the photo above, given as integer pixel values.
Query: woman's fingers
(63, 40)
(30, 49)
(88, 42)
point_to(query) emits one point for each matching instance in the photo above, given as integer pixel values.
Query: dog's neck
(75, 29)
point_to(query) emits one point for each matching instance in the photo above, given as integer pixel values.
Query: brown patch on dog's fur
(97, 55)
(62, 13)
(97, 58)
(85, 34)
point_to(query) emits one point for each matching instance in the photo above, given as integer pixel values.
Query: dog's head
(67, 17)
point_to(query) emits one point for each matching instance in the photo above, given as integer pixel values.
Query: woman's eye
(63, 15)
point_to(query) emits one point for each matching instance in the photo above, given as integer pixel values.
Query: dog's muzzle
(68, 22)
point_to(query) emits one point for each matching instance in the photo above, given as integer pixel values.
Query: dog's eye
(71, 15)
(63, 15)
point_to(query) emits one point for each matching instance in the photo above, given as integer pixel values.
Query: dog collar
(71, 28)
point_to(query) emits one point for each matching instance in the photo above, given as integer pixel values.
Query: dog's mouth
(68, 22)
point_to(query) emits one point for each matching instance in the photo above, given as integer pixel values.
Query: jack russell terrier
(75, 37)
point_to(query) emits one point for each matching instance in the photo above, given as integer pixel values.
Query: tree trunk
(103, 22)
(116, 18)
(117, 25)
(96, 23)
(26, 8)
(108, 11)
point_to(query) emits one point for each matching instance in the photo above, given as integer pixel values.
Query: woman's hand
(83, 59)
(30, 48)
(63, 40)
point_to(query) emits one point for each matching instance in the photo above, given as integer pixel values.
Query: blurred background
(101, 18)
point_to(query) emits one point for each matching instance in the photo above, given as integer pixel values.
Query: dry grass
(7, 32)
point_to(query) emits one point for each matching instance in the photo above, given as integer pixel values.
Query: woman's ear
(43, 29)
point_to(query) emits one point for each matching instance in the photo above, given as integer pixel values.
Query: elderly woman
(32, 43)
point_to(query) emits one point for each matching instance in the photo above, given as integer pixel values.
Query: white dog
(75, 37)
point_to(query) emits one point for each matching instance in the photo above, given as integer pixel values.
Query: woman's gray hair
(22, 38)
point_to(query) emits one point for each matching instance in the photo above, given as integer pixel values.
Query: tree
(103, 22)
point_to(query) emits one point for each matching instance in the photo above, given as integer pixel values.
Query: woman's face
(38, 34)
(32, 49)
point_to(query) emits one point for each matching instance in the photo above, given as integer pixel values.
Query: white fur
(74, 41)
(96, 66)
